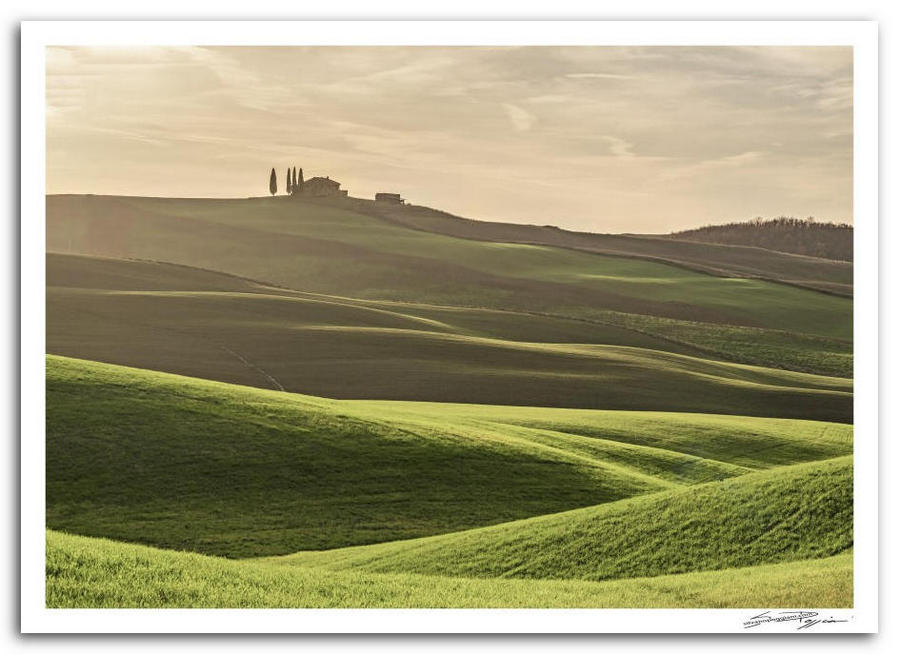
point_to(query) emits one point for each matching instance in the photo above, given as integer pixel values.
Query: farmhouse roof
(322, 180)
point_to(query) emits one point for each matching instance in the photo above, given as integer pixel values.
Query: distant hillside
(183, 320)
(723, 260)
(783, 234)
(410, 255)
(445, 275)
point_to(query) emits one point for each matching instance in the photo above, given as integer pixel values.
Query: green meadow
(129, 313)
(243, 473)
(831, 276)
(334, 249)
(236, 471)
(717, 525)
(282, 403)
(88, 572)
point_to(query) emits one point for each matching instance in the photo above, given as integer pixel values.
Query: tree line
(293, 181)
(785, 233)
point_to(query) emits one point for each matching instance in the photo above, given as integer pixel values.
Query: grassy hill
(86, 572)
(755, 444)
(722, 259)
(785, 234)
(189, 464)
(198, 323)
(783, 514)
(334, 249)
(395, 407)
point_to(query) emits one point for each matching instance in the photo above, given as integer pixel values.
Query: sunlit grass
(783, 514)
(229, 470)
(86, 572)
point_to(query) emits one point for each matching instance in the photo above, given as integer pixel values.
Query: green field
(717, 259)
(335, 250)
(281, 403)
(219, 327)
(86, 572)
(751, 345)
(217, 469)
(473, 284)
(784, 514)
(183, 463)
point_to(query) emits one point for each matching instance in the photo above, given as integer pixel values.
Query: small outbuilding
(390, 198)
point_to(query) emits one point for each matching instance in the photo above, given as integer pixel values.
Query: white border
(862, 35)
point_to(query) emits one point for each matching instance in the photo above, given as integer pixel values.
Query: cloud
(604, 76)
(709, 166)
(619, 147)
(549, 99)
(664, 137)
(521, 120)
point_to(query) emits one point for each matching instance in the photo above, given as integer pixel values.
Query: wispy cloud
(603, 138)
(602, 76)
(521, 120)
(619, 147)
(709, 166)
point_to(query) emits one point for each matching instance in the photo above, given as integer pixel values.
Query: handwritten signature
(805, 619)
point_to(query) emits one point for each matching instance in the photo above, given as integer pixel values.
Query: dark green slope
(336, 250)
(714, 258)
(141, 315)
(85, 279)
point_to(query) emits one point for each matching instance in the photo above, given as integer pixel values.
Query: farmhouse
(320, 186)
(323, 187)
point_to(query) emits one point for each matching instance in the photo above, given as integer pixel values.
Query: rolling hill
(784, 234)
(333, 249)
(194, 322)
(79, 575)
(226, 470)
(274, 402)
(721, 259)
(786, 513)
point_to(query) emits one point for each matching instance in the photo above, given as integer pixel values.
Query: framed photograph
(449, 327)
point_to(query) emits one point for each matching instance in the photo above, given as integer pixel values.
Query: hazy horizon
(606, 139)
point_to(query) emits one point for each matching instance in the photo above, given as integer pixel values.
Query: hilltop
(783, 234)
(722, 259)
(383, 234)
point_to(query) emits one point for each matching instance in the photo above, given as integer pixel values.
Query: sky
(603, 139)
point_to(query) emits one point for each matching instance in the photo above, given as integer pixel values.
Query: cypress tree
(300, 179)
(273, 183)
(287, 189)
(294, 185)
